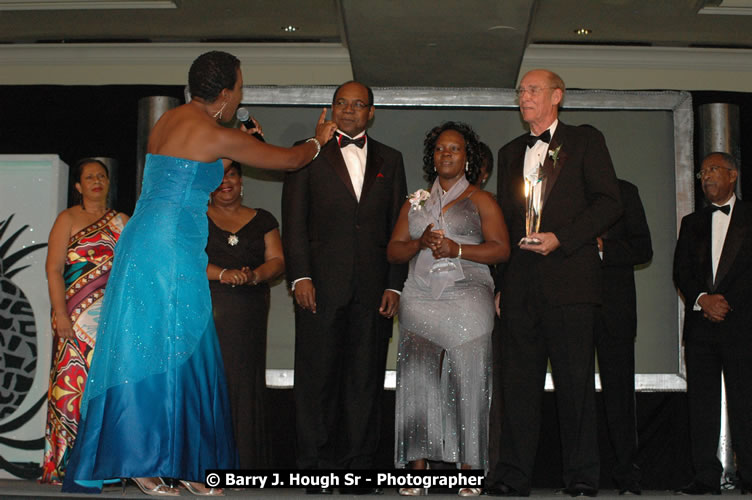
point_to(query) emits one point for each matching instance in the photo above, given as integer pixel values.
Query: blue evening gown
(156, 400)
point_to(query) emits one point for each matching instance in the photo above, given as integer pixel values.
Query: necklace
(97, 212)
(233, 240)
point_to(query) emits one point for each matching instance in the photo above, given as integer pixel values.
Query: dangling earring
(241, 191)
(211, 198)
(218, 114)
(467, 166)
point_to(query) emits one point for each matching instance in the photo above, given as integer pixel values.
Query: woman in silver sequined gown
(446, 308)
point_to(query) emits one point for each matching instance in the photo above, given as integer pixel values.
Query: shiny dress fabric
(156, 400)
(88, 262)
(444, 359)
(240, 315)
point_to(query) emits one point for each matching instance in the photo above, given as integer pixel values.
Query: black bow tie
(545, 137)
(346, 141)
(726, 209)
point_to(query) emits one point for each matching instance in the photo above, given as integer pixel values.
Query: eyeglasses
(533, 91)
(359, 105)
(710, 170)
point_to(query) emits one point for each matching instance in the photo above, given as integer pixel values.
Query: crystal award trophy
(533, 206)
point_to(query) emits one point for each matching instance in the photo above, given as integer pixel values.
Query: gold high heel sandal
(213, 492)
(159, 490)
(413, 492)
(469, 492)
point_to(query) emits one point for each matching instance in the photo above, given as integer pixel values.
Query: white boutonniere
(554, 154)
(418, 199)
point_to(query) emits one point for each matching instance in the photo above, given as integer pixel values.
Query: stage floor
(18, 489)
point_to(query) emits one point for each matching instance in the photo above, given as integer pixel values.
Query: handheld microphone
(244, 117)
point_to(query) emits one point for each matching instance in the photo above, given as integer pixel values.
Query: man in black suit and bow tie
(713, 271)
(338, 214)
(551, 287)
(625, 245)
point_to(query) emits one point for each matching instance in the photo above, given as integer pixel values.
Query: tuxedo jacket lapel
(373, 167)
(334, 158)
(732, 245)
(551, 171)
(705, 242)
(518, 177)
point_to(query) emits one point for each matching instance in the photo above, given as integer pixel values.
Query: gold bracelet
(459, 252)
(221, 273)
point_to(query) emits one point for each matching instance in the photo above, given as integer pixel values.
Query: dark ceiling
(396, 42)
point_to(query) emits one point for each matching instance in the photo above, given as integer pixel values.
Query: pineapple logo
(18, 333)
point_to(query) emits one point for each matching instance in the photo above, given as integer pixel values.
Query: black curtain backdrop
(662, 426)
(76, 122)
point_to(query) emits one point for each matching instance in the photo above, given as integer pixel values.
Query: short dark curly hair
(486, 156)
(211, 73)
(472, 150)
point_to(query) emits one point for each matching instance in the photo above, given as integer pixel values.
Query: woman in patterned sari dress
(79, 259)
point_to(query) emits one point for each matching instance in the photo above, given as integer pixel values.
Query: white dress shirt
(355, 159)
(719, 229)
(534, 158)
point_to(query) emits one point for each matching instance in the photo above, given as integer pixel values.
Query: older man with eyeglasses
(713, 271)
(551, 287)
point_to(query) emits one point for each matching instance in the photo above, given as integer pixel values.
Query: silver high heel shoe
(213, 492)
(159, 490)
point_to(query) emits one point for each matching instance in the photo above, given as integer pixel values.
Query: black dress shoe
(631, 488)
(319, 491)
(695, 488)
(503, 490)
(581, 490)
(361, 491)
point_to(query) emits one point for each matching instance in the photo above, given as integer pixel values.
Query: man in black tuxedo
(713, 271)
(551, 287)
(338, 214)
(625, 245)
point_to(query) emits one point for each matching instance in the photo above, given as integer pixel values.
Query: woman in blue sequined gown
(156, 401)
(446, 308)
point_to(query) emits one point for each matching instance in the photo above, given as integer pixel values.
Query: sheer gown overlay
(444, 359)
(156, 401)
